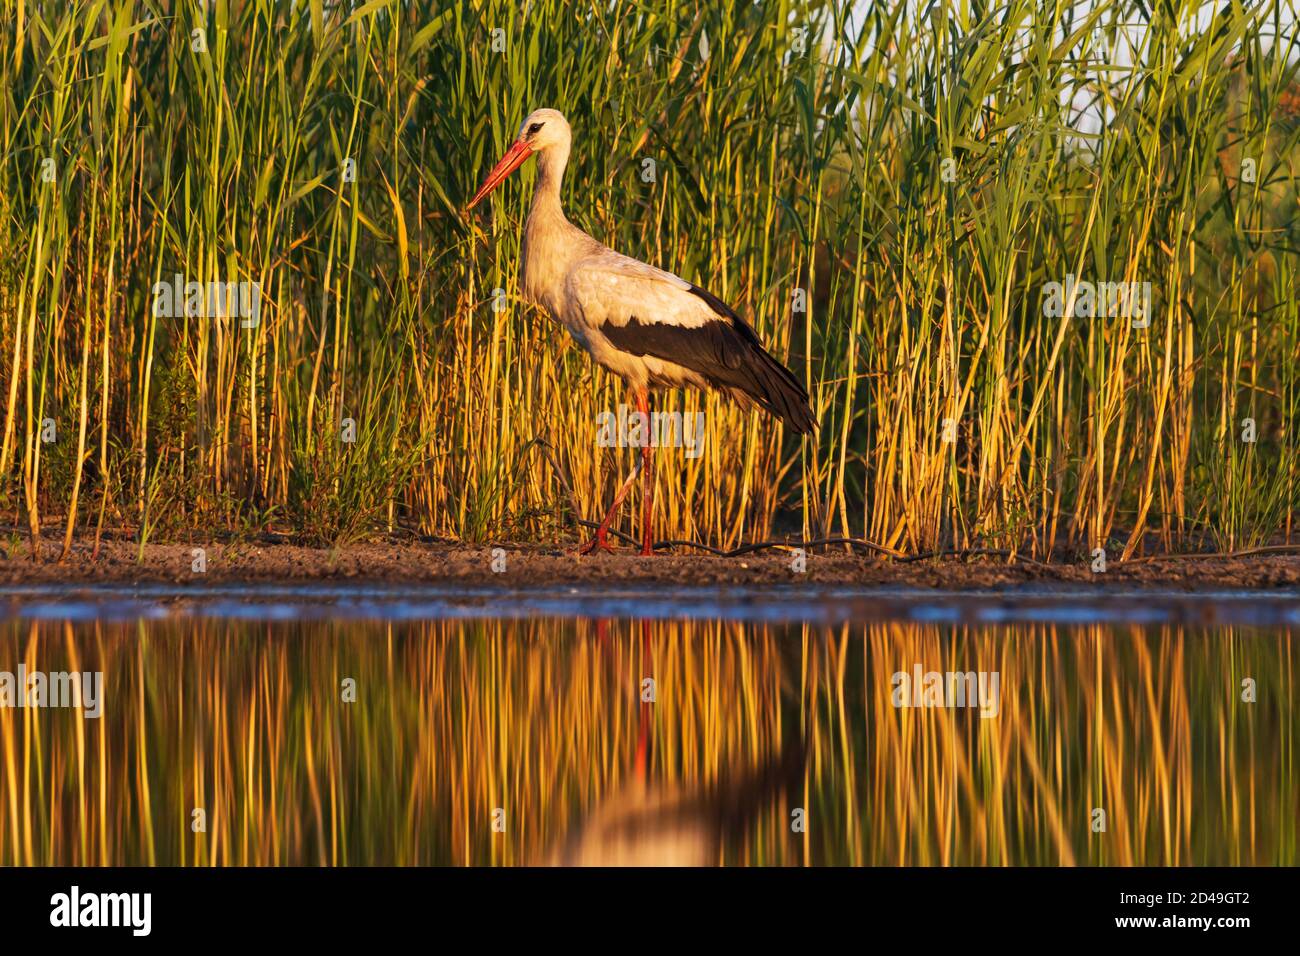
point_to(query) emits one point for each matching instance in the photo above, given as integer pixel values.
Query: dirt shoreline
(531, 566)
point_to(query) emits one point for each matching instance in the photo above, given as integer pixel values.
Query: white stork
(649, 326)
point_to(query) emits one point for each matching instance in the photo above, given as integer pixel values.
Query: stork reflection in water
(655, 822)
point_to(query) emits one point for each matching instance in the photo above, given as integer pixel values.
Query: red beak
(512, 160)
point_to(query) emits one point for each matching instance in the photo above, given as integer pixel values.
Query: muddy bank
(120, 562)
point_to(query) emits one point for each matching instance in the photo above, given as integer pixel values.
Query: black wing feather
(727, 352)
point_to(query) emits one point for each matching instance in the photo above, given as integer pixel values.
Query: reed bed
(541, 718)
(884, 189)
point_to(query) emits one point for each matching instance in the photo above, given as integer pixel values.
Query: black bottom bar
(1222, 906)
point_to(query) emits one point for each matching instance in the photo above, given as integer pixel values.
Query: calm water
(416, 726)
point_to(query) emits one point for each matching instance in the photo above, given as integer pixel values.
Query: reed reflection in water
(538, 726)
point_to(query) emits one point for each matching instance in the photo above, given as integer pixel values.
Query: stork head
(544, 130)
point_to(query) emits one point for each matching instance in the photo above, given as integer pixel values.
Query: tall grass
(920, 171)
(541, 718)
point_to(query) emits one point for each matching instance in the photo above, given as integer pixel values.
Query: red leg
(645, 714)
(601, 541)
(647, 480)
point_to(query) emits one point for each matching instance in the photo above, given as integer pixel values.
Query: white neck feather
(550, 173)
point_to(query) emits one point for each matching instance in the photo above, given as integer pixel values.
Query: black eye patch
(534, 128)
